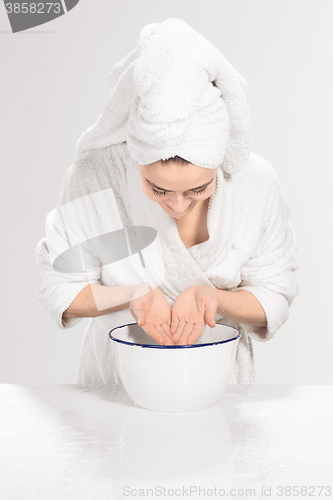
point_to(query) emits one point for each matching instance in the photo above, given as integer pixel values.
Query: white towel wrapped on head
(175, 94)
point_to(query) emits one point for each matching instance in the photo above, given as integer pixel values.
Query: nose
(179, 203)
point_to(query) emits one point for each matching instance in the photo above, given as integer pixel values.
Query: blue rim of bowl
(158, 346)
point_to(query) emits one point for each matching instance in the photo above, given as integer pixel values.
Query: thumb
(139, 316)
(209, 315)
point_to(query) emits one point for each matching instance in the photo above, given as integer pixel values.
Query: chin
(178, 216)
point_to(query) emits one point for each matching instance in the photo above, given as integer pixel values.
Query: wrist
(222, 302)
(139, 290)
(109, 299)
(241, 306)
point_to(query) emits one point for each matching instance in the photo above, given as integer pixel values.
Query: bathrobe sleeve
(59, 289)
(269, 272)
(86, 208)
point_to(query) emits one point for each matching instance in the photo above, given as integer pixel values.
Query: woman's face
(177, 188)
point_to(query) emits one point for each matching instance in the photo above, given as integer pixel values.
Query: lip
(179, 213)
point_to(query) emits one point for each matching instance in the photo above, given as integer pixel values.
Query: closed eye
(159, 193)
(163, 193)
(200, 190)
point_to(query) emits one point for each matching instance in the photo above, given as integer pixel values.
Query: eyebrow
(169, 191)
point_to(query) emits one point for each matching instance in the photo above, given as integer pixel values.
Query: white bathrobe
(251, 246)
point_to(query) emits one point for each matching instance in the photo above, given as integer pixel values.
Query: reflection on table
(70, 441)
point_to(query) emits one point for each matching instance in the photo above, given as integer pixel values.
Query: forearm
(241, 306)
(96, 300)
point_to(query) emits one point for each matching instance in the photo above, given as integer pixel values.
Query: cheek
(204, 196)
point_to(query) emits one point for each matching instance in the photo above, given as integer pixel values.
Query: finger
(174, 324)
(178, 333)
(186, 333)
(154, 334)
(157, 333)
(196, 333)
(167, 338)
(166, 329)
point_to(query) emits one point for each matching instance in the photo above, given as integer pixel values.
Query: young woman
(170, 152)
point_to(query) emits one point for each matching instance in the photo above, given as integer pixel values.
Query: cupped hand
(192, 310)
(152, 312)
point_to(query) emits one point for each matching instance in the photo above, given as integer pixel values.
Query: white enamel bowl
(174, 378)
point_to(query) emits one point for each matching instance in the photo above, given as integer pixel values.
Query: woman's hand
(152, 312)
(192, 309)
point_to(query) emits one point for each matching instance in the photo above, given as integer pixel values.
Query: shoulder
(258, 172)
(257, 180)
(94, 171)
(257, 191)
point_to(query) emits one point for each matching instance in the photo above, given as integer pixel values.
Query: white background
(54, 85)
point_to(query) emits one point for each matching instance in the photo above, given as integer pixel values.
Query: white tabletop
(70, 441)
